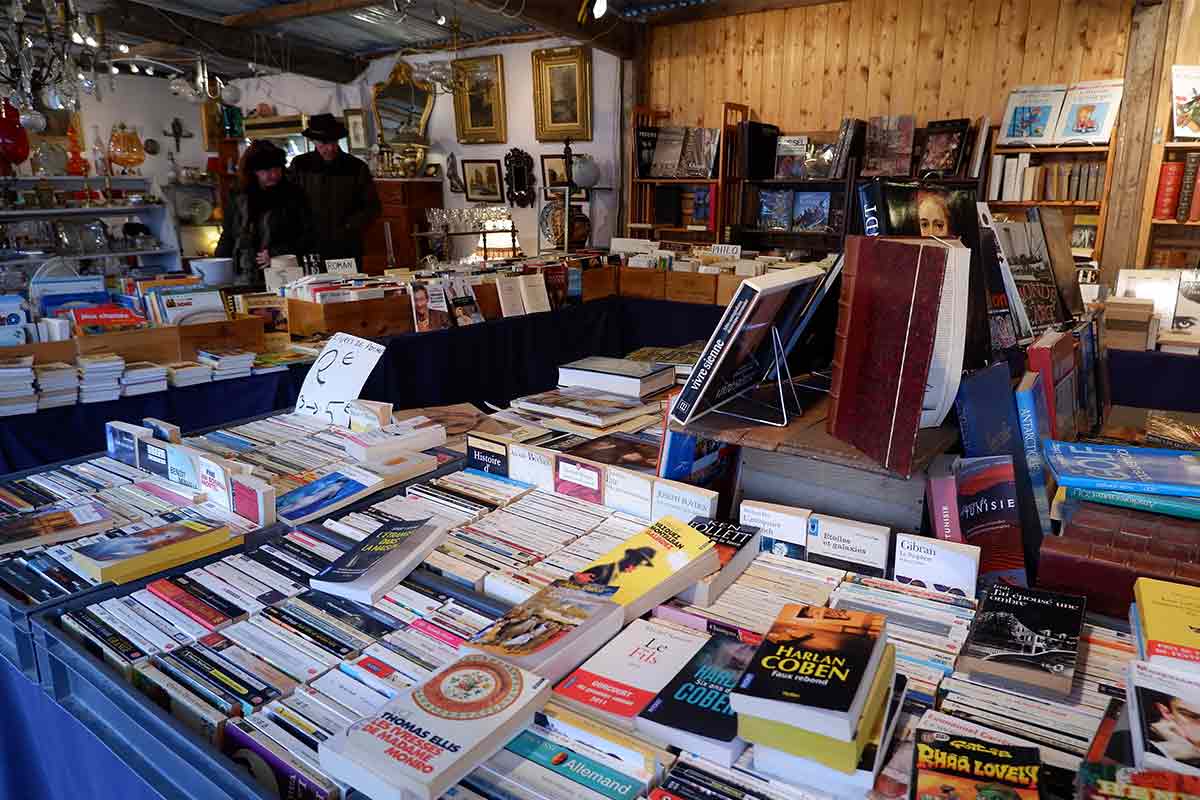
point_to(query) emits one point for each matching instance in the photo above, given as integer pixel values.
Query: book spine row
(1187, 188)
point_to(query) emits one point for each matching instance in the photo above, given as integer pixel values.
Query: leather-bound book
(887, 322)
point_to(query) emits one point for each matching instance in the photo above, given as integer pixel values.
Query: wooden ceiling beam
(199, 35)
(287, 11)
(611, 33)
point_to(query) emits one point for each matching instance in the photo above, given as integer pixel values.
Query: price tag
(337, 377)
(727, 250)
(341, 266)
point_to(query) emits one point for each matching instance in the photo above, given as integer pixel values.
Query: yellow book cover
(833, 753)
(150, 550)
(646, 559)
(1169, 617)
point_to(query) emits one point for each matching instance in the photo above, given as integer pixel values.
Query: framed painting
(562, 94)
(480, 114)
(554, 173)
(483, 181)
(356, 130)
(212, 129)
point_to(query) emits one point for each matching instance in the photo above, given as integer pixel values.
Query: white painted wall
(147, 104)
(298, 94)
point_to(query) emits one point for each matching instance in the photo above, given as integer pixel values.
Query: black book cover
(1027, 634)
(371, 621)
(668, 209)
(757, 149)
(697, 699)
(647, 139)
(729, 537)
(210, 598)
(814, 656)
(358, 561)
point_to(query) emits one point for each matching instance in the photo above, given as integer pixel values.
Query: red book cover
(580, 479)
(884, 345)
(990, 519)
(1052, 355)
(195, 608)
(105, 319)
(1170, 180)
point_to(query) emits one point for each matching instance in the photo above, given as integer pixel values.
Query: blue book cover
(51, 304)
(692, 459)
(1089, 408)
(1124, 469)
(987, 419)
(1035, 428)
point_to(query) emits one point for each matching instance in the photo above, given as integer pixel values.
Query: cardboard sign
(337, 377)
(341, 266)
(727, 250)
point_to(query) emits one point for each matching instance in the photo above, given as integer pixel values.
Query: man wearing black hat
(339, 189)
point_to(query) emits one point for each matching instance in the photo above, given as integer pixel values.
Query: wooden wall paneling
(985, 26)
(955, 59)
(929, 60)
(658, 91)
(1038, 65)
(883, 53)
(734, 30)
(714, 72)
(795, 80)
(697, 91)
(1112, 36)
(1067, 40)
(1010, 51)
(752, 65)
(904, 67)
(774, 84)
(677, 101)
(816, 39)
(834, 89)
(859, 44)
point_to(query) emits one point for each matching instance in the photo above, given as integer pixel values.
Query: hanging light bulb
(91, 42)
(134, 69)
(76, 37)
(439, 17)
(600, 8)
(81, 76)
(150, 71)
(113, 70)
(123, 48)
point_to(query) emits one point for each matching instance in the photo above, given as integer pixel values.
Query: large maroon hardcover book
(887, 321)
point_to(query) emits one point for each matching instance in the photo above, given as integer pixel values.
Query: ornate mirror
(402, 103)
(518, 173)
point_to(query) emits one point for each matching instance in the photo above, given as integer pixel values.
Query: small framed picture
(356, 130)
(433, 170)
(483, 180)
(554, 173)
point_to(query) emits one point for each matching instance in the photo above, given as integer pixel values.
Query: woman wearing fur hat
(268, 217)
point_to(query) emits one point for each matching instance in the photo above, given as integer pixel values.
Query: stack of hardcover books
(57, 385)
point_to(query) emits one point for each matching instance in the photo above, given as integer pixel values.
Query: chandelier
(452, 76)
(49, 50)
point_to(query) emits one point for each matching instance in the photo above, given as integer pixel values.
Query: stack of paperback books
(100, 377)
(188, 373)
(16, 386)
(57, 384)
(817, 692)
(227, 364)
(143, 377)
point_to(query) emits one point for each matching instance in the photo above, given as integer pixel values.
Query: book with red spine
(1170, 183)
(189, 604)
(1052, 355)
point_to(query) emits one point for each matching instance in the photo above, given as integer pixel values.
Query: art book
(1124, 469)
(947, 766)
(790, 154)
(810, 211)
(1025, 636)
(428, 738)
(464, 309)
(775, 210)
(945, 147)
(1032, 114)
(1089, 112)
(889, 146)
(1185, 101)
(814, 669)
(627, 674)
(692, 711)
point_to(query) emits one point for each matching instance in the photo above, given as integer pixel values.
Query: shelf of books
(1171, 172)
(680, 189)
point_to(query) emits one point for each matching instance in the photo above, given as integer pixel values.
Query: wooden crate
(648, 283)
(599, 282)
(242, 333)
(727, 286)
(383, 316)
(692, 287)
(160, 345)
(43, 352)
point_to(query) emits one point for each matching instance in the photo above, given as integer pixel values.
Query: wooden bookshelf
(1155, 234)
(1039, 156)
(641, 190)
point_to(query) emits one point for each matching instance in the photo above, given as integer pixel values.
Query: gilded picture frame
(212, 129)
(562, 94)
(400, 100)
(480, 112)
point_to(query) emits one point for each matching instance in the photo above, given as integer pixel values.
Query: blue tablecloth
(1150, 379)
(494, 362)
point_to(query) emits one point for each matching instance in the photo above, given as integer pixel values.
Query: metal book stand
(753, 409)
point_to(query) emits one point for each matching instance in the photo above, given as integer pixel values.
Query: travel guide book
(373, 566)
(429, 737)
(1025, 636)
(814, 669)
(1124, 469)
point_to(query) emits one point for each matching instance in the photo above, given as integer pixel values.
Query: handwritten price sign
(337, 377)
